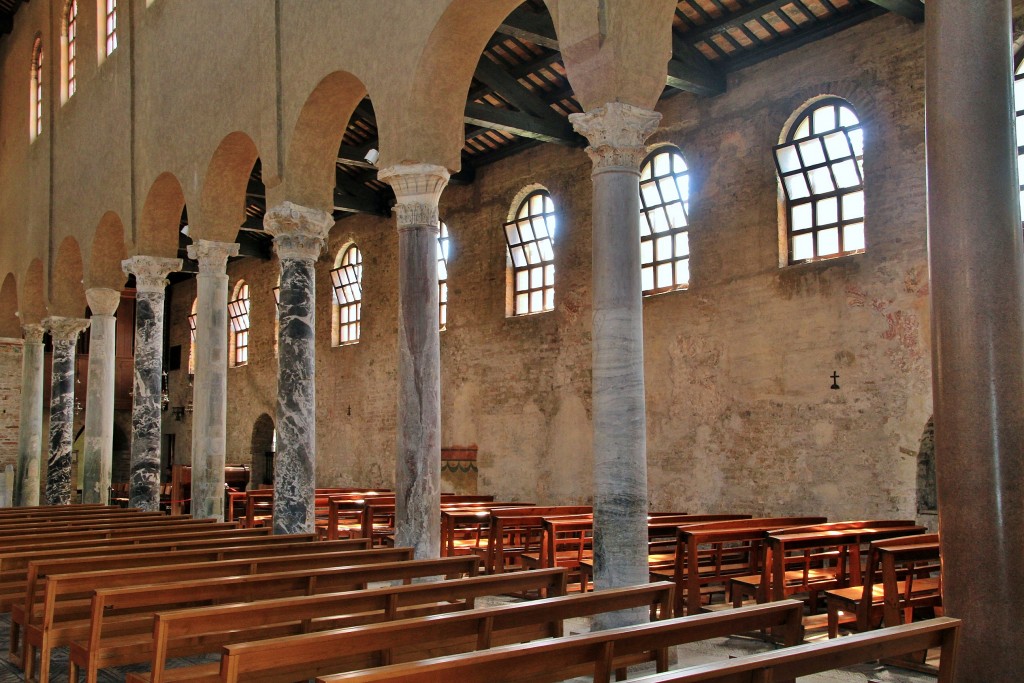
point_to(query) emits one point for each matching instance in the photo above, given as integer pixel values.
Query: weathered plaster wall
(10, 400)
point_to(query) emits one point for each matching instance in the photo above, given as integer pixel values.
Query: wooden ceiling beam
(534, 27)
(691, 71)
(723, 24)
(522, 125)
(514, 92)
(911, 9)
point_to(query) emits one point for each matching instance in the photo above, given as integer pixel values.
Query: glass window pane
(824, 119)
(518, 257)
(665, 275)
(803, 129)
(649, 194)
(853, 237)
(828, 242)
(522, 281)
(803, 247)
(796, 187)
(801, 217)
(549, 300)
(857, 141)
(549, 275)
(536, 204)
(682, 245)
(847, 174)
(647, 278)
(788, 159)
(661, 164)
(536, 277)
(827, 211)
(536, 301)
(847, 118)
(646, 251)
(683, 272)
(547, 252)
(526, 231)
(511, 234)
(838, 146)
(821, 180)
(812, 152)
(669, 191)
(853, 205)
(676, 215)
(540, 228)
(523, 303)
(659, 222)
(663, 248)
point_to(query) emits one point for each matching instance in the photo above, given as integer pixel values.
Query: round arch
(161, 217)
(264, 444)
(107, 253)
(222, 199)
(67, 293)
(9, 323)
(33, 293)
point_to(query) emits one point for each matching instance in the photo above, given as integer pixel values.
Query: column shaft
(99, 402)
(64, 333)
(30, 426)
(977, 286)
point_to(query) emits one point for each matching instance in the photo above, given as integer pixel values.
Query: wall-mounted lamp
(372, 156)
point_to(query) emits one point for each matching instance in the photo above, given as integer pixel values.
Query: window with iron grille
(238, 315)
(72, 47)
(820, 167)
(347, 283)
(530, 239)
(664, 224)
(37, 88)
(111, 32)
(192, 338)
(442, 273)
(1018, 105)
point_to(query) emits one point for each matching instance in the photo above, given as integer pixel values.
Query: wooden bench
(22, 542)
(863, 606)
(514, 531)
(806, 660)
(283, 660)
(465, 526)
(88, 521)
(122, 619)
(592, 654)
(63, 613)
(207, 629)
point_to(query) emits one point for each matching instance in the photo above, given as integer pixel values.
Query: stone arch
(222, 200)
(9, 324)
(317, 137)
(107, 253)
(263, 447)
(33, 294)
(927, 495)
(161, 218)
(67, 290)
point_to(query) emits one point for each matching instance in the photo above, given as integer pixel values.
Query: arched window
(37, 89)
(443, 245)
(238, 315)
(664, 224)
(820, 165)
(1018, 105)
(530, 238)
(347, 282)
(72, 36)
(192, 337)
(111, 25)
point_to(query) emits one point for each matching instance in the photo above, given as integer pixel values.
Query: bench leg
(14, 653)
(833, 619)
(44, 663)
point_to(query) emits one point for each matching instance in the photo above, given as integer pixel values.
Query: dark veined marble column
(299, 234)
(99, 401)
(976, 266)
(30, 426)
(64, 333)
(616, 133)
(150, 282)
(210, 388)
(418, 189)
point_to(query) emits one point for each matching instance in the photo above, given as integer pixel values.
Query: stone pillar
(418, 188)
(210, 387)
(616, 133)
(977, 297)
(150, 282)
(30, 426)
(99, 399)
(64, 333)
(299, 234)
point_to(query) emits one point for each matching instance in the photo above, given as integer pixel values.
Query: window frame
(240, 323)
(193, 318)
(36, 89)
(443, 248)
(347, 296)
(676, 233)
(1018, 120)
(71, 36)
(532, 261)
(110, 26)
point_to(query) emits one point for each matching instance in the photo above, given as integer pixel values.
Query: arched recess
(160, 224)
(107, 252)
(310, 171)
(264, 444)
(9, 324)
(67, 293)
(222, 201)
(33, 294)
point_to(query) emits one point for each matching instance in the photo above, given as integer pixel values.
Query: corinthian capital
(616, 132)
(103, 301)
(212, 256)
(65, 329)
(150, 271)
(33, 332)
(418, 189)
(299, 231)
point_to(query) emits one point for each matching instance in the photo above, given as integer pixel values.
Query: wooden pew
(465, 526)
(597, 654)
(14, 527)
(207, 629)
(62, 614)
(514, 531)
(806, 660)
(128, 613)
(160, 528)
(283, 660)
(731, 548)
(47, 511)
(900, 600)
(378, 515)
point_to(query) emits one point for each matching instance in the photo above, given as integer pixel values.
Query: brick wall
(10, 400)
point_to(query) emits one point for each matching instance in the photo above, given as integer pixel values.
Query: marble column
(30, 425)
(150, 282)
(616, 133)
(210, 387)
(299, 234)
(418, 189)
(977, 295)
(64, 334)
(99, 399)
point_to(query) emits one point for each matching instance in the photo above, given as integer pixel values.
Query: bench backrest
(525, 520)
(129, 528)
(224, 531)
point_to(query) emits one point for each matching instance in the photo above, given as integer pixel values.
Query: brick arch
(222, 199)
(67, 290)
(160, 223)
(10, 326)
(107, 252)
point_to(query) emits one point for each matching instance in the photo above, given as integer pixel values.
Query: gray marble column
(210, 388)
(616, 133)
(99, 399)
(150, 282)
(63, 333)
(30, 425)
(299, 234)
(977, 295)
(418, 189)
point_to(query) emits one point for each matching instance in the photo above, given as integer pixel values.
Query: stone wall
(10, 400)
(741, 416)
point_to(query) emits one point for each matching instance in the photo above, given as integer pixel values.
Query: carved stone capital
(299, 231)
(33, 332)
(103, 301)
(212, 256)
(150, 271)
(65, 329)
(418, 189)
(616, 132)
